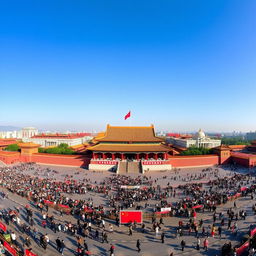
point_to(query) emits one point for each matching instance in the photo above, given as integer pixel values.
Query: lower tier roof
(129, 148)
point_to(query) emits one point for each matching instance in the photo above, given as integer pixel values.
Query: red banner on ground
(3, 227)
(29, 253)
(11, 250)
(242, 248)
(130, 216)
(197, 206)
(253, 232)
(243, 188)
(63, 205)
(48, 202)
(237, 194)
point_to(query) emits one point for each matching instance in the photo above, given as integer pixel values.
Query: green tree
(234, 141)
(12, 147)
(41, 150)
(61, 149)
(63, 145)
(196, 151)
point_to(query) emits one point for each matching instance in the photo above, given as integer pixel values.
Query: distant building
(53, 140)
(250, 136)
(200, 140)
(29, 132)
(10, 134)
(25, 133)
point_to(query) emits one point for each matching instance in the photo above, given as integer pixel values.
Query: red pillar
(93, 155)
(104, 156)
(137, 157)
(165, 156)
(147, 156)
(113, 156)
(155, 156)
(122, 156)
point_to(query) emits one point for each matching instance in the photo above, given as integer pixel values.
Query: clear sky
(78, 64)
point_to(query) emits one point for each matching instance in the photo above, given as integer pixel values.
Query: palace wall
(244, 159)
(51, 159)
(83, 161)
(241, 161)
(9, 157)
(193, 161)
(54, 159)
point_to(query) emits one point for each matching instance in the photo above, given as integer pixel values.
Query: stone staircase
(134, 167)
(126, 167)
(122, 167)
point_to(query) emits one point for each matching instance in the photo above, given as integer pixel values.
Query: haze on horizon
(79, 65)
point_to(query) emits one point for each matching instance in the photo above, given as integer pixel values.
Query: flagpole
(130, 119)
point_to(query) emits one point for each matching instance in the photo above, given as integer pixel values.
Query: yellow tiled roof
(129, 134)
(130, 148)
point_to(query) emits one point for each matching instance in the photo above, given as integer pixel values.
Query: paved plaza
(124, 244)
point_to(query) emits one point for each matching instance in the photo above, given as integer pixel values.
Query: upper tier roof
(130, 148)
(129, 134)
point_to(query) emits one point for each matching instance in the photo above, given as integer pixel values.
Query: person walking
(62, 247)
(157, 230)
(104, 237)
(86, 246)
(143, 228)
(206, 244)
(183, 244)
(220, 231)
(13, 237)
(198, 244)
(130, 230)
(58, 244)
(162, 237)
(112, 250)
(138, 245)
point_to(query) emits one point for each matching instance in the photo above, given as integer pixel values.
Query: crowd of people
(121, 192)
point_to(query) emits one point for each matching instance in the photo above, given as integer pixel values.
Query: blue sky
(180, 65)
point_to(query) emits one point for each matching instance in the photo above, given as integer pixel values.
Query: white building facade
(28, 132)
(54, 141)
(25, 133)
(200, 140)
(10, 134)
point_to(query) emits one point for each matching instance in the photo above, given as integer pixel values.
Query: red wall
(81, 160)
(189, 161)
(71, 160)
(9, 157)
(225, 159)
(240, 161)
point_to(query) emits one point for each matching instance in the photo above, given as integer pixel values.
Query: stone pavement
(126, 245)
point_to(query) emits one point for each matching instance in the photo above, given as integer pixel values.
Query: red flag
(130, 216)
(127, 115)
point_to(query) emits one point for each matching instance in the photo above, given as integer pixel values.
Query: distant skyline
(80, 65)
